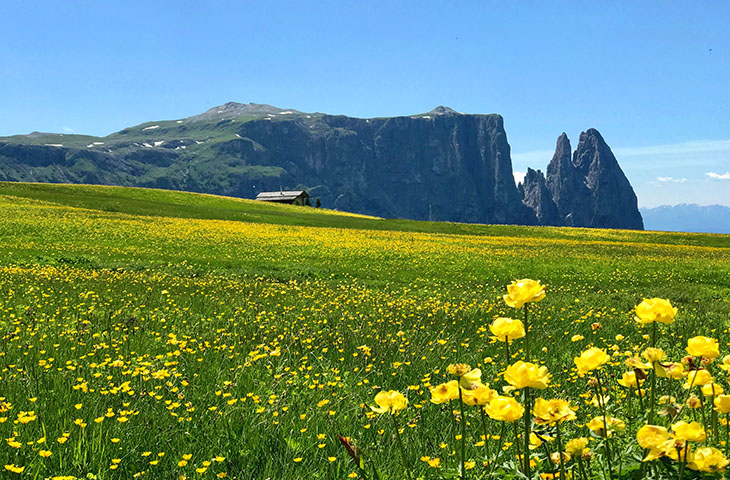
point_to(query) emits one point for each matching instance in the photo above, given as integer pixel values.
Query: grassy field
(159, 334)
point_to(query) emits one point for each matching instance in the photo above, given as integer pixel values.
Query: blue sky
(652, 76)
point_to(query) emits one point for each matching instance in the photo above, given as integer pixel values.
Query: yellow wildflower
(524, 374)
(576, 446)
(548, 412)
(629, 380)
(698, 378)
(590, 359)
(597, 425)
(479, 396)
(689, 432)
(722, 403)
(391, 401)
(458, 369)
(507, 329)
(445, 392)
(705, 347)
(504, 409)
(523, 291)
(655, 310)
(708, 459)
(651, 436)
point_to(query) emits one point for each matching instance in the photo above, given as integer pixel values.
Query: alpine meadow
(167, 335)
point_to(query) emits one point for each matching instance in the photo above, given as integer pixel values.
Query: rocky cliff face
(589, 190)
(441, 165)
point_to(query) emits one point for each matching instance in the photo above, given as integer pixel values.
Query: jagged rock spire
(614, 202)
(589, 190)
(537, 197)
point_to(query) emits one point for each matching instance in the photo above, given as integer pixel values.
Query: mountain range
(441, 165)
(688, 218)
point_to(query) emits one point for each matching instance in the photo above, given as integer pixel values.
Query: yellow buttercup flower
(725, 365)
(722, 403)
(504, 409)
(712, 390)
(673, 370)
(635, 362)
(445, 392)
(597, 425)
(471, 379)
(705, 347)
(391, 401)
(520, 292)
(689, 432)
(14, 468)
(708, 459)
(577, 446)
(672, 448)
(479, 396)
(524, 374)
(591, 359)
(651, 436)
(655, 310)
(458, 369)
(652, 354)
(698, 378)
(629, 380)
(535, 441)
(507, 329)
(548, 412)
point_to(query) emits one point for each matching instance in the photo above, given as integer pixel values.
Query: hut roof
(283, 195)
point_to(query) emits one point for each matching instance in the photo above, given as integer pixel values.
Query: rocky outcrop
(613, 201)
(536, 196)
(441, 165)
(589, 190)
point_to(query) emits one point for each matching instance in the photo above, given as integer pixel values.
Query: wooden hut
(292, 197)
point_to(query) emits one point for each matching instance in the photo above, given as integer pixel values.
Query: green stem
(406, 463)
(486, 434)
(653, 377)
(641, 397)
(727, 434)
(500, 449)
(713, 414)
(528, 414)
(506, 348)
(581, 468)
(652, 396)
(602, 406)
(702, 411)
(527, 334)
(463, 435)
(683, 461)
(517, 446)
(560, 452)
